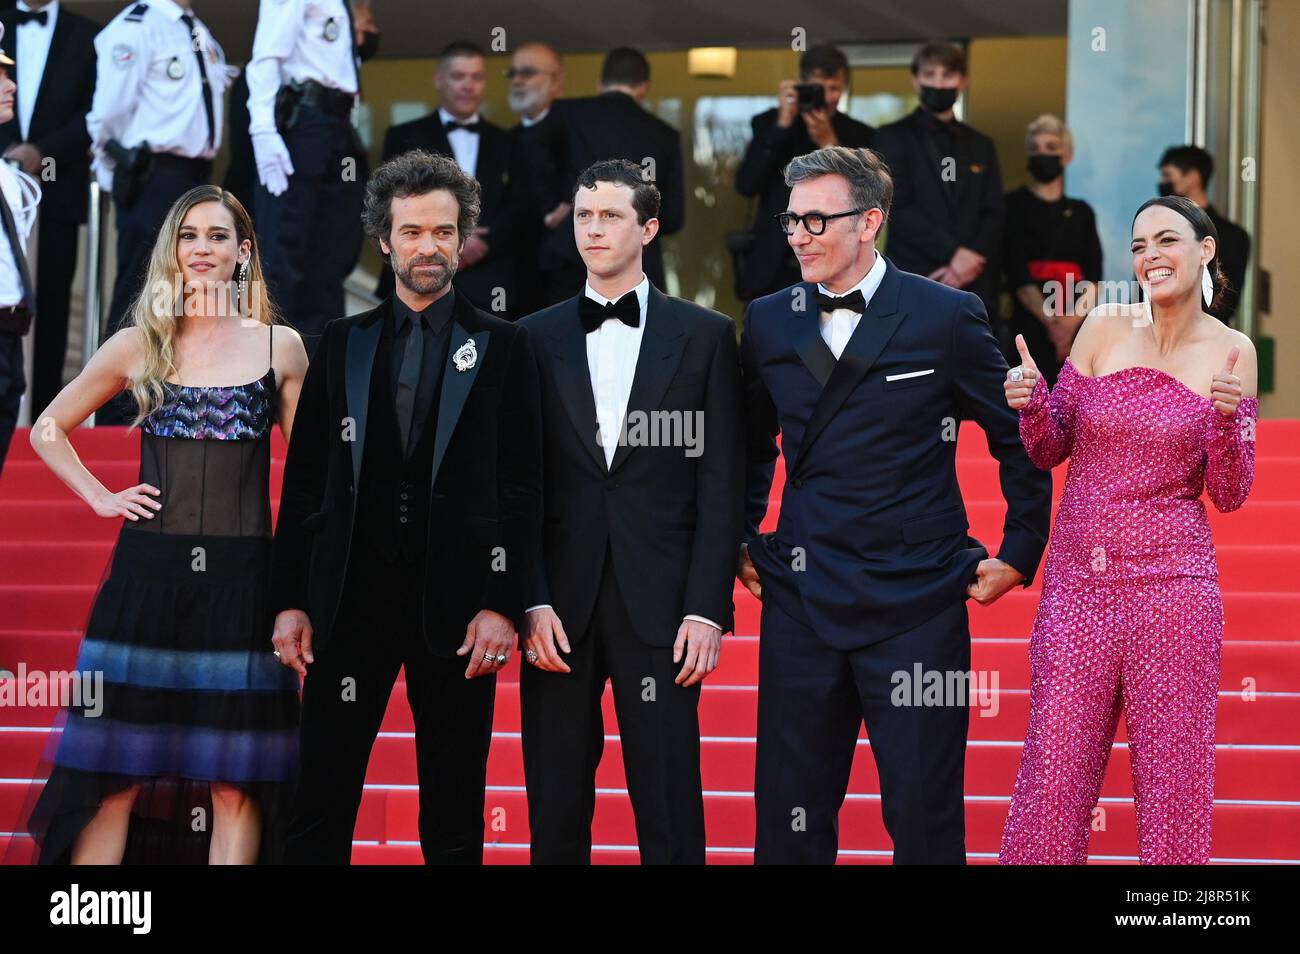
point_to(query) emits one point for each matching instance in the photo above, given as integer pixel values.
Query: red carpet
(53, 551)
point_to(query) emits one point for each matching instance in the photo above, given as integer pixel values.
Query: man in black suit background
(410, 513)
(948, 202)
(865, 371)
(480, 148)
(643, 469)
(614, 125)
(536, 77)
(1186, 171)
(54, 52)
(779, 135)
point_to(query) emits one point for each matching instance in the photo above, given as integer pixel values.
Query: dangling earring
(242, 293)
(1207, 286)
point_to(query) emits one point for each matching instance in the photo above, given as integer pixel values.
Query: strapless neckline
(1143, 368)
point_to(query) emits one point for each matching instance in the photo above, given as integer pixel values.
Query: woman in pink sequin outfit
(1151, 407)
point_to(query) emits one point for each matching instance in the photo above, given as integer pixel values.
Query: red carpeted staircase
(53, 551)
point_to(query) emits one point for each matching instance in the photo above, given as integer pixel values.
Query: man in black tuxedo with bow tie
(865, 370)
(54, 52)
(643, 466)
(482, 149)
(410, 513)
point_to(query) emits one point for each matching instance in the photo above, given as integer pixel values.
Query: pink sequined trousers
(1131, 617)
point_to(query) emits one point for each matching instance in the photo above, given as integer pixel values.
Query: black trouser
(812, 700)
(12, 385)
(56, 259)
(344, 697)
(564, 735)
(310, 235)
(170, 177)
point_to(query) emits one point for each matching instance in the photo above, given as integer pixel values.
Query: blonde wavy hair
(157, 310)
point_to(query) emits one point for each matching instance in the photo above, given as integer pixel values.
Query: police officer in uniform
(17, 292)
(303, 82)
(154, 126)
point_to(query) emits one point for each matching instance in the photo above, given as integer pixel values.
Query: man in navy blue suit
(865, 371)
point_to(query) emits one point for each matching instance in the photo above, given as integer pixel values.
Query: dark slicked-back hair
(624, 66)
(418, 173)
(1202, 228)
(645, 194)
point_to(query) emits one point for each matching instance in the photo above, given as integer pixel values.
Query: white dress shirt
(32, 53)
(148, 88)
(292, 43)
(838, 326)
(464, 144)
(526, 122)
(11, 279)
(612, 352)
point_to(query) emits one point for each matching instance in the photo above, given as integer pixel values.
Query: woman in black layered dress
(195, 749)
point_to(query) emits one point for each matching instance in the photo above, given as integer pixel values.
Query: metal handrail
(97, 212)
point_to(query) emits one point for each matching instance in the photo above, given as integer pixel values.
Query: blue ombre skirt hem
(179, 643)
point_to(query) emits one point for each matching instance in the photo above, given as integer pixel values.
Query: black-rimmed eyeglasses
(813, 222)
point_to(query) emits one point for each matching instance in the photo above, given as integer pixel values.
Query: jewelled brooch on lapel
(466, 356)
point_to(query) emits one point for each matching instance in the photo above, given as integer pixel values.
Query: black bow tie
(852, 300)
(27, 16)
(473, 127)
(593, 314)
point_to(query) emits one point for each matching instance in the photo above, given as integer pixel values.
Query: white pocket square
(908, 374)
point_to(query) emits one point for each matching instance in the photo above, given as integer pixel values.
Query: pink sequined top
(1142, 447)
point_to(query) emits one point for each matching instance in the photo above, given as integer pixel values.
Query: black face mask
(938, 99)
(369, 46)
(1165, 188)
(1044, 168)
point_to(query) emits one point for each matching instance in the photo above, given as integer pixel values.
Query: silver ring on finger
(502, 657)
(531, 656)
(1017, 374)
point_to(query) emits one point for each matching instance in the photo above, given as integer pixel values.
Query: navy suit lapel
(574, 380)
(874, 330)
(359, 362)
(807, 334)
(662, 343)
(457, 380)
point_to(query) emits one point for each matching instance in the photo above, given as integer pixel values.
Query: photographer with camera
(806, 118)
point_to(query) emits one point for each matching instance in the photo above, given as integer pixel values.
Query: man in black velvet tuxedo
(482, 149)
(643, 459)
(410, 513)
(865, 370)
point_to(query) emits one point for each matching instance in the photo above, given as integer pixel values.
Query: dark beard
(421, 284)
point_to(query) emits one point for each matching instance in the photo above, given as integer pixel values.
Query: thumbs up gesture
(1019, 391)
(1225, 392)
